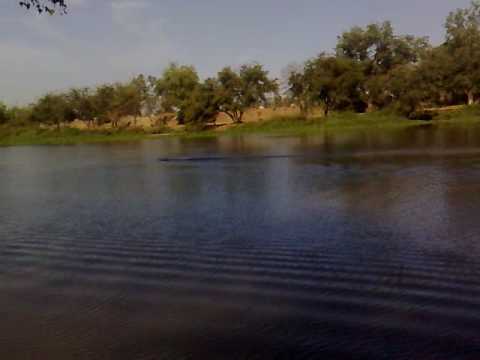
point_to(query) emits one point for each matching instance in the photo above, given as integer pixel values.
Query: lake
(355, 245)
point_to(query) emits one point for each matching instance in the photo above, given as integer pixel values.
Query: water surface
(356, 245)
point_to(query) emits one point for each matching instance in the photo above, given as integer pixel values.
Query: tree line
(375, 68)
(371, 68)
(179, 90)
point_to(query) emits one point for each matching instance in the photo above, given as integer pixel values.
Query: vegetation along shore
(374, 78)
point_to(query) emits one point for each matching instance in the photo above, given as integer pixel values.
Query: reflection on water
(358, 245)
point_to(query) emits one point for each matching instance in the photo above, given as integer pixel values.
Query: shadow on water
(227, 158)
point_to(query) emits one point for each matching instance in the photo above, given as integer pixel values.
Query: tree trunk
(471, 97)
(239, 118)
(370, 106)
(236, 117)
(326, 110)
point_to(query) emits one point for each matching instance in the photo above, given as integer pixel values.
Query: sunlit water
(356, 246)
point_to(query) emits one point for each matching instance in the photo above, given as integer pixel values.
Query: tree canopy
(176, 86)
(239, 91)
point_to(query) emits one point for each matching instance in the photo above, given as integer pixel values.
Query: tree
(379, 47)
(463, 45)
(104, 103)
(19, 115)
(435, 74)
(379, 50)
(52, 109)
(239, 91)
(204, 104)
(298, 91)
(4, 114)
(112, 102)
(128, 101)
(48, 6)
(175, 88)
(406, 90)
(333, 82)
(146, 89)
(82, 103)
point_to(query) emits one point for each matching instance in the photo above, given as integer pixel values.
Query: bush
(422, 115)
(4, 115)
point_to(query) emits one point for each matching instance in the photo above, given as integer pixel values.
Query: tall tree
(379, 47)
(463, 44)
(175, 88)
(82, 103)
(379, 50)
(4, 115)
(52, 109)
(204, 103)
(333, 82)
(247, 88)
(104, 103)
(298, 91)
(435, 74)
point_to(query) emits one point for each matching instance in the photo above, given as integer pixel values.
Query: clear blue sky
(109, 40)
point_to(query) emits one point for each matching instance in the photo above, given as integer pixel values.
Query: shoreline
(280, 126)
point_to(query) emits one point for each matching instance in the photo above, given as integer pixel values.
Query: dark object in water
(226, 158)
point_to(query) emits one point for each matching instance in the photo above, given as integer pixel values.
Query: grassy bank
(25, 135)
(280, 126)
(341, 122)
(296, 126)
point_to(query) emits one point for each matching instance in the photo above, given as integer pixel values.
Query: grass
(469, 115)
(280, 126)
(298, 126)
(28, 135)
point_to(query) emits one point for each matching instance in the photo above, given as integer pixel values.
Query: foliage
(463, 45)
(4, 115)
(247, 88)
(204, 104)
(298, 91)
(175, 88)
(379, 51)
(379, 47)
(333, 82)
(373, 68)
(52, 109)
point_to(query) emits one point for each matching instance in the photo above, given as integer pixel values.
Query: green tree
(146, 91)
(4, 114)
(175, 88)
(247, 88)
(104, 103)
(333, 82)
(379, 47)
(379, 50)
(19, 115)
(204, 104)
(128, 100)
(407, 92)
(298, 91)
(463, 44)
(52, 109)
(435, 75)
(82, 103)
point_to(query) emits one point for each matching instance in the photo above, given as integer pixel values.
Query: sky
(102, 41)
